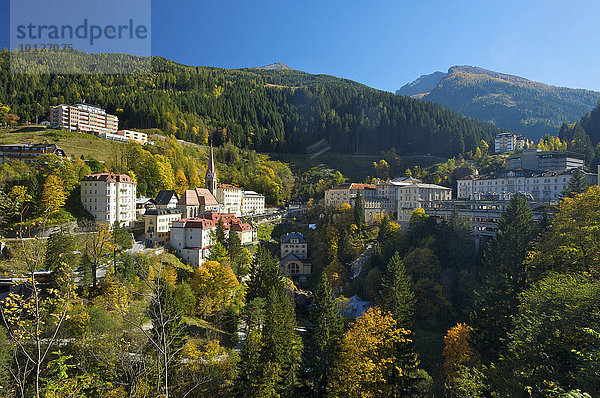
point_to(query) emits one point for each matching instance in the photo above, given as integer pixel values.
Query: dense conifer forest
(264, 110)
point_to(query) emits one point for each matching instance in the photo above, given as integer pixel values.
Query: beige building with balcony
(83, 118)
(134, 136)
(397, 198)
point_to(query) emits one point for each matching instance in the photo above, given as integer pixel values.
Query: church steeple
(211, 173)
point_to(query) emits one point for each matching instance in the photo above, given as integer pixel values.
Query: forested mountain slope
(524, 106)
(265, 110)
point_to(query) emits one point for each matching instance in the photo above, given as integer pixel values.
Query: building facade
(83, 118)
(509, 142)
(195, 202)
(541, 186)
(28, 153)
(166, 199)
(294, 261)
(252, 203)
(134, 136)
(230, 199)
(419, 196)
(157, 226)
(537, 160)
(192, 238)
(397, 198)
(109, 197)
(346, 193)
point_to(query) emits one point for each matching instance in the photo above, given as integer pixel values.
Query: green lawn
(74, 144)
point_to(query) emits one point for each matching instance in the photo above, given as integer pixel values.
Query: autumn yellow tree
(214, 284)
(572, 243)
(181, 181)
(457, 350)
(369, 358)
(194, 179)
(53, 194)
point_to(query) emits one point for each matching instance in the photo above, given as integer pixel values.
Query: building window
(293, 268)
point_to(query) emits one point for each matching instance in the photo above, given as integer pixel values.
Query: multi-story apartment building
(542, 186)
(230, 199)
(157, 225)
(109, 197)
(294, 261)
(419, 196)
(505, 142)
(135, 136)
(192, 237)
(346, 193)
(252, 203)
(28, 153)
(83, 118)
(508, 142)
(399, 197)
(482, 215)
(537, 160)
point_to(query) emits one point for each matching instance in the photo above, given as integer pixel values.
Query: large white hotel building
(109, 197)
(83, 118)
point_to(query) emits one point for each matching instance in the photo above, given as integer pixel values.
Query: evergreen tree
(120, 240)
(385, 229)
(274, 371)
(59, 249)
(577, 184)
(249, 365)
(281, 346)
(264, 274)
(324, 341)
(396, 295)
(506, 277)
(234, 246)
(397, 298)
(219, 235)
(359, 212)
(218, 252)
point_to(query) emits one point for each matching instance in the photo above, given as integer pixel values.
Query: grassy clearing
(74, 144)
(13, 264)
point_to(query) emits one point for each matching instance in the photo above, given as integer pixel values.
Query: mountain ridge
(274, 66)
(507, 101)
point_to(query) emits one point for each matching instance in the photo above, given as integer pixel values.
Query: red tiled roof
(197, 197)
(108, 177)
(355, 185)
(211, 219)
(205, 197)
(228, 186)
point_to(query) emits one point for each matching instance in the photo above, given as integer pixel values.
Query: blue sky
(383, 44)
